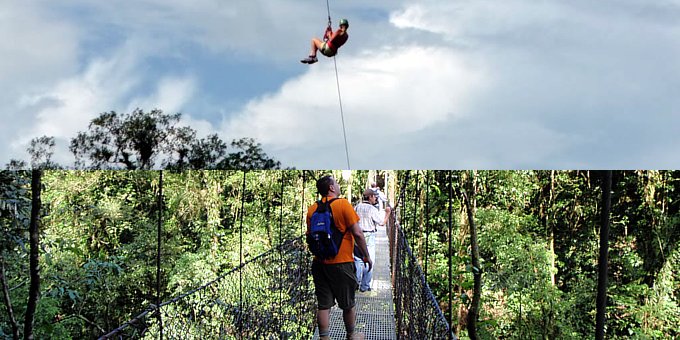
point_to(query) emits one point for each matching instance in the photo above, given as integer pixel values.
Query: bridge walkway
(375, 308)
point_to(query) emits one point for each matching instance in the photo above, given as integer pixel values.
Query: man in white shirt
(369, 220)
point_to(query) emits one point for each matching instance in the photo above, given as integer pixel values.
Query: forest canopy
(148, 140)
(537, 232)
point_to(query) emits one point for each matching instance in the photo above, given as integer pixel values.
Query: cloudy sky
(487, 84)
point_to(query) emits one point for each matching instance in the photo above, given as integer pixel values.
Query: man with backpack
(334, 275)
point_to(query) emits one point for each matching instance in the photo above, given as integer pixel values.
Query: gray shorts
(327, 51)
(334, 282)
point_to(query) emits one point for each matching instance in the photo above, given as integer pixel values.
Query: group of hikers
(338, 277)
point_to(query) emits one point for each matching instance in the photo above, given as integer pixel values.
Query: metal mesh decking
(375, 308)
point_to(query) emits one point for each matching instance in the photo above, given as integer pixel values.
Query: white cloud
(389, 92)
(274, 29)
(70, 104)
(171, 95)
(34, 46)
(533, 84)
(36, 49)
(554, 73)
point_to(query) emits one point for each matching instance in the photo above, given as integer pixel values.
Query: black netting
(417, 313)
(268, 297)
(271, 296)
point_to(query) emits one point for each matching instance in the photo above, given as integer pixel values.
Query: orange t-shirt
(343, 217)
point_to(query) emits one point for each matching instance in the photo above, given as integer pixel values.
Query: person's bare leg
(349, 317)
(316, 45)
(323, 317)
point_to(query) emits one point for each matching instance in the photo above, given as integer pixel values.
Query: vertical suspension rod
(450, 225)
(158, 252)
(240, 256)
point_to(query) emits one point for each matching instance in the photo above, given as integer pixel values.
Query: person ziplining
(331, 42)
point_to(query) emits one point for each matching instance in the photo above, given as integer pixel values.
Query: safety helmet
(344, 22)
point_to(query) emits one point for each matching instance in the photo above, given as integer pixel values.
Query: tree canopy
(537, 236)
(148, 140)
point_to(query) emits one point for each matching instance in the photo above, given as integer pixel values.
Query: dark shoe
(309, 60)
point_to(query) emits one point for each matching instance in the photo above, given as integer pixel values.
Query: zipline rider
(330, 44)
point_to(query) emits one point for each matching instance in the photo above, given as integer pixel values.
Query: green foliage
(146, 140)
(99, 238)
(537, 231)
(528, 220)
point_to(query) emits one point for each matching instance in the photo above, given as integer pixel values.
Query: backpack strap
(327, 205)
(327, 201)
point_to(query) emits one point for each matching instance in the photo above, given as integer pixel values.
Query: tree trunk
(462, 252)
(603, 262)
(8, 301)
(34, 288)
(552, 227)
(476, 270)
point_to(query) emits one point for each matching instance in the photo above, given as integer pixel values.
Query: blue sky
(488, 84)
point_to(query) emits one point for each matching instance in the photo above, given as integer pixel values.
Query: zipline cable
(337, 81)
(328, 6)
(342, 115)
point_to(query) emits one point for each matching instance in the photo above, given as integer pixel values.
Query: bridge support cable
(411, 230)
(450, 225)
(158, 252)
(394, 250)
(418, 314)
(281, 263)
(303, 221)
(240, 258)
(427, 219)
(239, 305)
(417, 311)
(226, 307)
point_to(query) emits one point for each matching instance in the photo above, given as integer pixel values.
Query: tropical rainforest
(520, 251)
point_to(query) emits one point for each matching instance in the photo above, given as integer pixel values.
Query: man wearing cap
(369, 220)
(331, 43)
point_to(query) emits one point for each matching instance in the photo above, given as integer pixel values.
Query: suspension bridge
(271, 296)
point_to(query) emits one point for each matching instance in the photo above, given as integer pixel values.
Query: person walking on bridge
(334, 278)
(369, 220)
(381, 201)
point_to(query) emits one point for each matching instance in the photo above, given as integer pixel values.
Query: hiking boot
(356, 336)
(309, 60)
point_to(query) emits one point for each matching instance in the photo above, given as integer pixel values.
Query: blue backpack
(324, 238)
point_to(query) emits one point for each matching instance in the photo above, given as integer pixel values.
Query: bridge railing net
(268, 297)
(417, 314)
